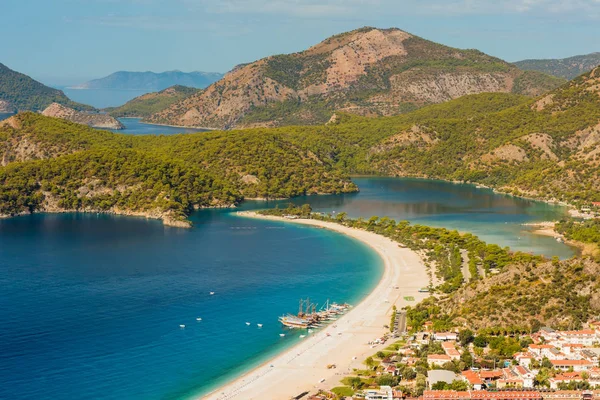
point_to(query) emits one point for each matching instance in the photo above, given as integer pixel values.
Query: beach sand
(304, 367)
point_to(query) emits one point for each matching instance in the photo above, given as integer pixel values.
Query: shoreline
(303, 367)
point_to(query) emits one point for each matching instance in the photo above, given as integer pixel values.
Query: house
(565, 378)
(506, 383)
(473, 379)
(392, 370)
(586, 337)
(490, 376)
(540, 350)
(566, 395)
(548, 333)
(524, 358)
(444, 336)
(450, 350)
(384, 393)
(577, 365)
(571, 348)
(438, 359)
(525, 374)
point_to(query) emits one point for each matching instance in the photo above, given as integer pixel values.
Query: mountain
(95, 120)
(150, 103)
(546, 147)
(567, 68)
(152, 81)
(368, 71)
(19, 92)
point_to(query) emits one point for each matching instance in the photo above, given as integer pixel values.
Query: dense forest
(547, 148)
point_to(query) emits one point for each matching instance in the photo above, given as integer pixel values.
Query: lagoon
(92, 303)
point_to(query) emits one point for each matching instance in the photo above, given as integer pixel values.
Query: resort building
(450, 350)
(577, 365)
(438, 359)
(384, 393)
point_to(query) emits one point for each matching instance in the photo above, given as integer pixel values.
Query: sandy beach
(304, 367)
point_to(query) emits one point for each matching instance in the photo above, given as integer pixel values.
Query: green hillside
(25, 94)
(567, 68)
(150, 103)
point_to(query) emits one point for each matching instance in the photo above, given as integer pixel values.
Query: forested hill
(19, 92)
(567, 68)
(367, 71)
(150, 103)
(50, 164)
(548, 148)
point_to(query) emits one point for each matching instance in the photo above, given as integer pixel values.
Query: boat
(198, 319)
(211, 293)
(282, 334)
(259, 325)
(302, 336)
(248, 323)
(182, 326)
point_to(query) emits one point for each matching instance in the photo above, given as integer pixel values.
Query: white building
(384, 393)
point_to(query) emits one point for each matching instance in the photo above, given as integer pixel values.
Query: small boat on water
(211, 293)
(248, 323)
(198, 319)
(259, 325)
(302, 336)
(182, 326)
(282, 334)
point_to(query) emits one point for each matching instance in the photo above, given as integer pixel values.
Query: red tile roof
(472, 377)
(567, 363)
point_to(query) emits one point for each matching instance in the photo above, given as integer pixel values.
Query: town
(459, 365)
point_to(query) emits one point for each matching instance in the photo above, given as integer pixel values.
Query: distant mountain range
(19, 92)
(567, 68)
(151, 81)
(367, 71)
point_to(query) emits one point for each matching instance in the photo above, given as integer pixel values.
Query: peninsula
(304, 366)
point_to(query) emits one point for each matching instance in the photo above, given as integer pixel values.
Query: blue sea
(91, 304)
(102, 98)
(134, 126)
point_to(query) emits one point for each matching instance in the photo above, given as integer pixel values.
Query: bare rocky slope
(90, 119)
(368, 71)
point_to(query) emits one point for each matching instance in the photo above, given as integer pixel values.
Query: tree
(355, 382)
(369, 362)
(408, 374)
(480, 341)
(465, 336)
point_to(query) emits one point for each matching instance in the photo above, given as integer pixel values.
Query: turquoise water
(91, 304)
(494, 217)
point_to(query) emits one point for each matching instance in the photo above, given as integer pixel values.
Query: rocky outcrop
(6, 107)
(91, 119)
(368, 71)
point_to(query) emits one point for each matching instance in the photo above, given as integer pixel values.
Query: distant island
(151, 81)
(567, 68)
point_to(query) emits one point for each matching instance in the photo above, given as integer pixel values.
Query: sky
(71, 41)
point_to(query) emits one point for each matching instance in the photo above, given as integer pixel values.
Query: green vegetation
(24, 93)
(567, 68)
(150, 103)
(526, 293)
(91, 169)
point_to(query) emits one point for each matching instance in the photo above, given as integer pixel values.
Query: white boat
(182, 326)
(302, 336)
(211, 293)
(248, 323)
(198, 319)
(310, 331)
(259, 325)
(282, 334)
